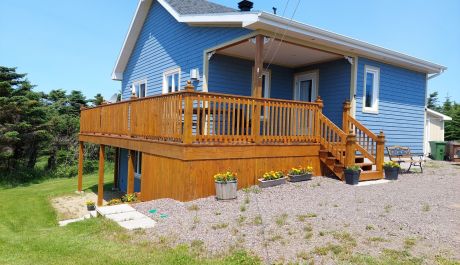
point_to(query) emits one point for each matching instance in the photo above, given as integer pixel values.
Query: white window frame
(139, 82)
(375, 95)
(137, 164)
(309, 75)
(167, 73)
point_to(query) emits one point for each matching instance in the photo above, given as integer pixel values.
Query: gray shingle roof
(191, 7)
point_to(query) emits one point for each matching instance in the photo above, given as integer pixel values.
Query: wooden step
(370, 175)
(330, 161)
(323, 154)
(365, 166)
(359, 159)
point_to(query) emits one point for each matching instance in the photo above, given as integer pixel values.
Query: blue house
(261, 56)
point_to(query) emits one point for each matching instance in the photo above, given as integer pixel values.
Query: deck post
(380, 151)
(100, 185)
(116, 169)
(257, 86)
(350, 150)
(345, 114)
(130, 183)
(318, 101)
(81, 148)
(188, 114)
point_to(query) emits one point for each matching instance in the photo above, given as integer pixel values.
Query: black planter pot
(391, 173)
(351, 176)
(90, 207)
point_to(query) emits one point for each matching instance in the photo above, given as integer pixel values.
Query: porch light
(195, 74)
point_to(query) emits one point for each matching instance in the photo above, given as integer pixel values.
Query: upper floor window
(171, 80)
(371, 89)
(137, 164)
(140, 88)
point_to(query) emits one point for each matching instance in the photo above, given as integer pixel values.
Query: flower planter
(226, 190)
(297, 178)
(271, 183)
(91, 207)
(351, 176)
(391, 173)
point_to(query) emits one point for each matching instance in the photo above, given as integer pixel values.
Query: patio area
(416, 217)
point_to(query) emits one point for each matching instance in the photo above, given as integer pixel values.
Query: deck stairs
(351, 144)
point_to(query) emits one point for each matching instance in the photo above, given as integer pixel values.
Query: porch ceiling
(280, 53)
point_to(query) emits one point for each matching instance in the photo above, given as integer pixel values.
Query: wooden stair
(368, 172)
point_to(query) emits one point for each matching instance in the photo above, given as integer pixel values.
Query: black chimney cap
(245, 5)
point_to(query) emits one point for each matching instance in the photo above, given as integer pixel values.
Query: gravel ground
(419, 213)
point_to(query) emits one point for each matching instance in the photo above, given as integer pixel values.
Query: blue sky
(74, 44)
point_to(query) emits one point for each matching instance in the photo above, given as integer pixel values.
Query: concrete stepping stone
(142, 223)
(121, 208)
(126, 216)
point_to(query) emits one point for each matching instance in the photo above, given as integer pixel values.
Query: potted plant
(352, 174)
(226, 185)
(90, 205)
(272, 178)
(297, 174)
(391, 170)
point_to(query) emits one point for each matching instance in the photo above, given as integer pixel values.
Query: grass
(426, 207)
(282, 219)
(369, 227)
(257, 220)
(29, 232)
(303, 217)
(193, 207)
(409, 242)
(219, 226)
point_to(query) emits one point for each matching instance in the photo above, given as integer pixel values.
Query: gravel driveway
(323, 220)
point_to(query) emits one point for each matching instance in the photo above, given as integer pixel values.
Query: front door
(306, 86)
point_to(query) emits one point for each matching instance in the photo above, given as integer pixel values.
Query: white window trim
(137, 175)
(375, 95)
(312, 75)
(138, 82)
(169, 72)
(268, 82)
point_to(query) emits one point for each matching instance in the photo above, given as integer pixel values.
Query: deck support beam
(130, 184)
(100, 185)
(81, 148)
(257, 85)
(116, 169)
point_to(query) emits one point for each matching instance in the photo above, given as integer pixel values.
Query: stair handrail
(370, 145)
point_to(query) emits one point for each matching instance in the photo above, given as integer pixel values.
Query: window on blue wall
(371, 89)
(140, 88)
(137, 164)
(171, 80)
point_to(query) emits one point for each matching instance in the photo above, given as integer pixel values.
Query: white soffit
(286, 54)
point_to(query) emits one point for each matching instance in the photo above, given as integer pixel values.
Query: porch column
(100, 185)
(345, 114)
(257, 86)
(130, 184)
(116, 169)
(80, 166)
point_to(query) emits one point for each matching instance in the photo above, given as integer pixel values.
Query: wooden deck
(186, 137)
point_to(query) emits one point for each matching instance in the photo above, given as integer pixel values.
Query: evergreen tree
(432, 102)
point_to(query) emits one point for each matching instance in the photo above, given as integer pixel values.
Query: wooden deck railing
(189, 117)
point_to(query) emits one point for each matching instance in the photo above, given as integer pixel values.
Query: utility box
(438, 150)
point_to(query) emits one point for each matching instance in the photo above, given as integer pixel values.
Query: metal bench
(402, 154)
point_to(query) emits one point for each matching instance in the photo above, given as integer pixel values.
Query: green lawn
(29, 234)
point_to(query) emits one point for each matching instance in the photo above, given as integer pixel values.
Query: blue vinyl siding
(230, 75)
(401, 104)
(123, 173)
(165, 43)
(334, 87)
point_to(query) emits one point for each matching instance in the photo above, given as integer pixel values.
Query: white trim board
(271, 23)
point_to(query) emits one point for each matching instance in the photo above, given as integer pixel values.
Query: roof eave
(439, 115)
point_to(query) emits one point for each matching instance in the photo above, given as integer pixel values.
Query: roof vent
(245, 5)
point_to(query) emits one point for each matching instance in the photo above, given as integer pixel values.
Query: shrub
(391, 164)
(90, 203)
(129, 198)
(272, 175)
(353, 168)
(114, 202)
(226, 176)
(301, 170)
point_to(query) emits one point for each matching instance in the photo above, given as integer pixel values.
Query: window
(140, 88)
(171, 81)
(371, 89)
(137, 164)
